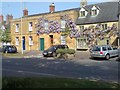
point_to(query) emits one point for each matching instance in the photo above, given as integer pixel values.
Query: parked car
(52, 50)
(9, 49)
(103, 51)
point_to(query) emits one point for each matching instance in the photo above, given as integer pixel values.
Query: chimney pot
(25, 12)
(52, 8)
(1, 18)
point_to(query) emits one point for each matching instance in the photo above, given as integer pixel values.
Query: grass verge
(47, 82)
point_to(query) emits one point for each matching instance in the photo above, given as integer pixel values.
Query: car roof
(102, 46)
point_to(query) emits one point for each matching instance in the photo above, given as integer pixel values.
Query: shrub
(70, 51)
(62, 53)
(65, 51)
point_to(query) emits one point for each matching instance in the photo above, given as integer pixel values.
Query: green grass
(43, 82)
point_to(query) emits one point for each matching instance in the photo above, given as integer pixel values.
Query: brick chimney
(1, 18)
(52, 8)
(25, 12)
(8, 18)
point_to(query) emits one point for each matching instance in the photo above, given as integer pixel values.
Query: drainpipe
(119, 29)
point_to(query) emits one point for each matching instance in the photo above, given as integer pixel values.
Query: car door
(110, 50)
(115, 50)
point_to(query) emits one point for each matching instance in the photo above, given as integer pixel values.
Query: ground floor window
(30, 40)
(82, 43)
(17, 41)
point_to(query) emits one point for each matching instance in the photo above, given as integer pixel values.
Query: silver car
(103, 51)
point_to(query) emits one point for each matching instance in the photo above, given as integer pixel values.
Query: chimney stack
(25, 12)
(83, 3)
(52, 8)
(1, 18)
(8, 18)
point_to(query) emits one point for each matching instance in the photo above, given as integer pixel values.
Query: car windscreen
(96, 49)
(52, 48)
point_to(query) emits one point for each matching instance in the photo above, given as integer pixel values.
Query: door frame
(41, 47)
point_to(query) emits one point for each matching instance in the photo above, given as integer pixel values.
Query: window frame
(30, 25)
(104, 26)
(17, 41)
(30, 40)
(63, 23)
(17, 27)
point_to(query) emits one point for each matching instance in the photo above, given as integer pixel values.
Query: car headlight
(49, 52)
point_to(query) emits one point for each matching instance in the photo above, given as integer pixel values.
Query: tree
(5, 36)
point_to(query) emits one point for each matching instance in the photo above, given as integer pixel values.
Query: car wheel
(54, 54)
(107, 57)
(6, 51)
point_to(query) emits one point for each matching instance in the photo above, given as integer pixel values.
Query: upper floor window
(82, 13)
(17, 27)
(94, 11)
(30, 26)
(63, 23)
(30, 40)
(81, 27)
(104, 26)
(17, 40)
(46, 25)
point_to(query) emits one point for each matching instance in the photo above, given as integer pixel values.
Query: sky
(15, 7)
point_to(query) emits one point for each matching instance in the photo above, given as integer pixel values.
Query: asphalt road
(36, 67)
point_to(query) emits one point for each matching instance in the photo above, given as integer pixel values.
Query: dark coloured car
(9, 49)
(52, 50)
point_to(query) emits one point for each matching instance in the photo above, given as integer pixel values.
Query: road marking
(20, 71)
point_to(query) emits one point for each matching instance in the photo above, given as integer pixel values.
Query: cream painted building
(98, 24)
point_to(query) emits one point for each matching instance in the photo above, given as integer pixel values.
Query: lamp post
(118, 30)
(21, 31)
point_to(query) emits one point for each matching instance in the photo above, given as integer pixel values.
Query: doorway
(51, 39)
(23, 43)
(41, 44)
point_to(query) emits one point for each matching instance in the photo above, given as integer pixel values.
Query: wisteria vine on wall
(54, 26)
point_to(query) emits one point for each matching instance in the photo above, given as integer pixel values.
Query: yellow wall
(24, 31)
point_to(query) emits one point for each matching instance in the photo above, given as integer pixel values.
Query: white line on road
(20, 71)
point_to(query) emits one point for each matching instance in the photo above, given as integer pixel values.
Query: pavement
(38, 54)
(79, 55)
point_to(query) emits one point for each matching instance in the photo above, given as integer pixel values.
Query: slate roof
(108, 13)
(76, 9)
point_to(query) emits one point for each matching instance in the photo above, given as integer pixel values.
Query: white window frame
(93, 11)
(63, 22)
(63, 39)
(17, 41)
(30, 40)
(46, 25)
(17, 28)
(30, 24)
(81, 12)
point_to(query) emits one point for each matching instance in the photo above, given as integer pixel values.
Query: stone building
(40, 31)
